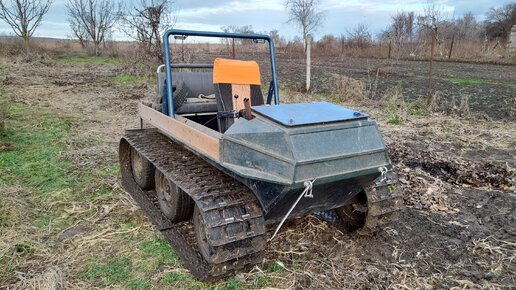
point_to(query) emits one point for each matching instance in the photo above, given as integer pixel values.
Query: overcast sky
(266, 15)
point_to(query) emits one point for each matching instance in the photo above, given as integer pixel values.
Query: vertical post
(308, 44)
(182, 51)
(274, 81)
(390, 45)
(429, 97)
(233, 48)
(168, 70)
(451, 45)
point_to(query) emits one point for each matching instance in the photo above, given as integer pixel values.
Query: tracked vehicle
(211, 175)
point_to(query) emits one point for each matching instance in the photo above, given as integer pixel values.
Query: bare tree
(306, 14)
(359, 35)
(92, 20)
(24, 16)
(277, 38)
(403, 26)
(431, 19)
(500, 20)
(401, 30)
(147, 21)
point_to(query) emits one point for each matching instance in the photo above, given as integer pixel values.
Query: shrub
(346, 88)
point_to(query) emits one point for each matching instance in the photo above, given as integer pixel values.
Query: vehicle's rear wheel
(173, 201)
(142, 169)
(353, 213)
(206, 250)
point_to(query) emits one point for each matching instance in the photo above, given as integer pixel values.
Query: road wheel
(142, 169)
(353, 213)
(173, 201)
(206, 250)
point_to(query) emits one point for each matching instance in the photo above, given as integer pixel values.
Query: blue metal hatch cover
(308, 113)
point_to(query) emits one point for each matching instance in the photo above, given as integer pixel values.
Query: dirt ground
(458, 229)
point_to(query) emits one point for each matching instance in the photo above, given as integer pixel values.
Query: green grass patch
(232, 284)
(335, 100)
(43, 220)
(468, 81)
(3, 112)
(394, 119)
(83, 59)
(478, 81)
(116, 270)
(141, 283)
(159, 249)
(37, 139)
(262, 280)
(275, 267)
(124, 79)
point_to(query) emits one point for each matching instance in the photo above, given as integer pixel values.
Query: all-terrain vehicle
(211, 174)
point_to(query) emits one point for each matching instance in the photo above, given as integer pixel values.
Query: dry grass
(3, 115)
(467, 51)
(346, 88)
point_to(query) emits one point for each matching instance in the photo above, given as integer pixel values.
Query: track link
(384, 202)
(223, 202)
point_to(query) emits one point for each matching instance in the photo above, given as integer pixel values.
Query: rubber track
(233, 219)
(384, 202)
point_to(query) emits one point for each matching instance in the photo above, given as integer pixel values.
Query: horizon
(341, 16)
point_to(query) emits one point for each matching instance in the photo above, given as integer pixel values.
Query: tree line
(93, 21)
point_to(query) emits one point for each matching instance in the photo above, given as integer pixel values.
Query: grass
(176, 277)
(478, 81)
(394, 119)
(33, 160)
(83, 59)
(114, 271)
(124, 79)
(159, 249)
(3, 112)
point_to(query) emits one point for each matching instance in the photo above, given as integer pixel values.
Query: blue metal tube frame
(168, 69)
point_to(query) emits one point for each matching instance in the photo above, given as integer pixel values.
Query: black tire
(206, 250)
(142, 169)
(353, 213)
(173, 201)
(180, 93)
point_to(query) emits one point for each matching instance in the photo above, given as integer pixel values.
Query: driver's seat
(235, 78)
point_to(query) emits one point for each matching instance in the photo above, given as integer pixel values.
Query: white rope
(307, 192)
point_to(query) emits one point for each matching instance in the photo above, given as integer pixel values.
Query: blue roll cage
(273, 88)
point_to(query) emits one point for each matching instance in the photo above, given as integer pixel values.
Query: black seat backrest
(196, 82)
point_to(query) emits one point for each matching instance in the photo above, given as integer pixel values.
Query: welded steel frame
(168, 70)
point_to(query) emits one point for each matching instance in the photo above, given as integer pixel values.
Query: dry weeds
(346, 88)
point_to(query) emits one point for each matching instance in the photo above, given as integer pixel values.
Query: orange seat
(235, 78)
